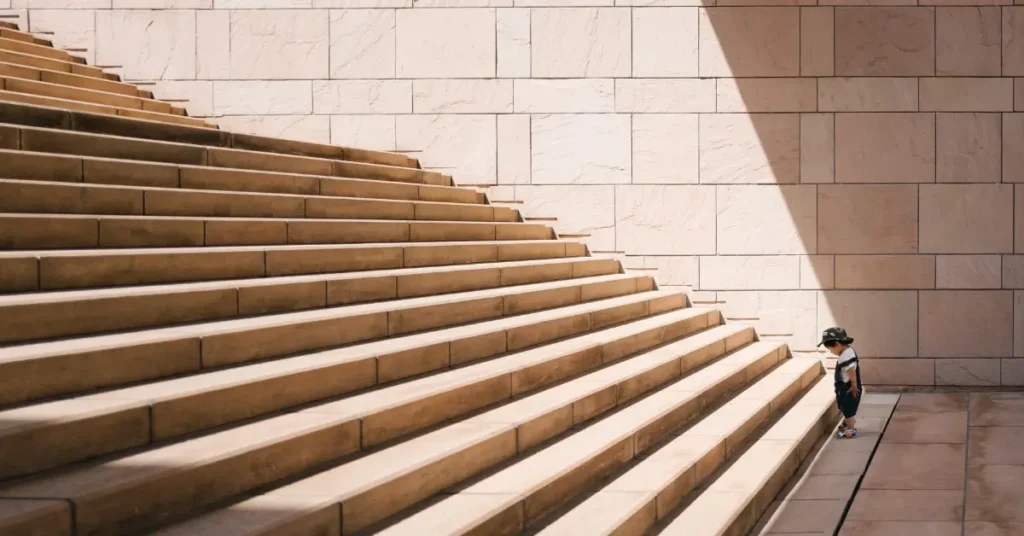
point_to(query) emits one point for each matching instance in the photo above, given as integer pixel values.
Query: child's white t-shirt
(843, 364)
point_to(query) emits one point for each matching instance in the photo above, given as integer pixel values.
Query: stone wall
(799, 164)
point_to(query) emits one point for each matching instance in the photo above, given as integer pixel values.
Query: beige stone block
(968, 271)
(1018, 94)
(279, 44)
(766, 220)
(885, 41)
(213, 45)
(1013, 147)
(966, 218)
(665, 220)
(196, 96)
(1012, 372)
(258, 4)
(760, 272)
(375, 132)
(817, 41)
(664, 96)
(766, 95)
(580, 42)
(665, 42)
(71, 28)
(513, 149)
(756, 148)
(891, 227)
(880, 272)
(817, 272)
(967, 94)
(513, 43)
(817, 148)
(966, 323)
(1013, 41)
(312, 128)
(682, 271)
(899, 372)
(149, 45)
(883, 322)
(362, 3)
(755, 41)
(362, 96)
(467, 144)
(362, 43)
(665, 149)
(1018, 329)
(262, 98)
(968, 147)
(582, 209)
(877, 147)
(461, 96)
(580, 149)
(1013, 271)
(868, 94)
(565, 96)
(967, 41)
(788, 315)
(445, 43)
(967, 372)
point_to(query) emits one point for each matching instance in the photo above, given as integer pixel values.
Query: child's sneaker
(846, 433)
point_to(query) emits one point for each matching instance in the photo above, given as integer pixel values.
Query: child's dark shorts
(847, 403)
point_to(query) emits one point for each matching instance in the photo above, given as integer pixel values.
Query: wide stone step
(17, 35)
(385, 482)
(67, 79)
(38, 50)
(651, 490)
(26, 317)
(72, 231)
(129, 494)
(737, 498)
(38, 197)
(34, 518)
(90, 268)
(35, 437)
(50, 140)
(37, 370)
(507, 501)
(72, 93)
(27, 98)
(78, 169)
(32, 115)
(30, 60)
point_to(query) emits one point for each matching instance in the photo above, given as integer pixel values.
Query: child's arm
(853, 379)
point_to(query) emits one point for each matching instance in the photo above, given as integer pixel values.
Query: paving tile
(926, 427)
(996, 445)
(880, 399)
(907, 505)
(878, 410)
(807, 516)
(989, 528)
(846, 457)
(870, 424)
(916, 466)
(902, 528)
(997, 409)
(995, 493)
(932, 402)
(825, 487)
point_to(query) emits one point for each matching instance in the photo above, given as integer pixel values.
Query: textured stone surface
(817, 41)
(467, 144)
(582, 209)
(674, 270)
(513, 43)
(844, 228)
(758, 272)
(968, 147)
(899, 372)
(817, 272)
(856, 94)
(581, 42)
(254, 98)
(565, 96)
(885, 41)
(665, 149)
(786, 314)
(370, 131)
(362, 96)
(664, 96)
(966, 323)
(968, 271)
(766, 95)
(461, 96)
(673, 220)
(197, 96)
(279, 44)
(890, 335)
(1013, 147)
(70, 29)
(314, 128)
(1013, 41)
(584, 149)
(514, 149)
(149, 45)
(967, 41)
(755, 41)
(947, 94)
(758, 220)
(213, 45)
(665, 42)
(817, 148)
(362, 43)
(445, 43)
(762, 148)
(959, 218)
(876, 147)
(967, 372)
(885, 271)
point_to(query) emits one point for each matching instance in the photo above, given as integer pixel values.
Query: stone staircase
(209, 333)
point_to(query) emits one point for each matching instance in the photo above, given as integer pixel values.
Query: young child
(847, 379)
